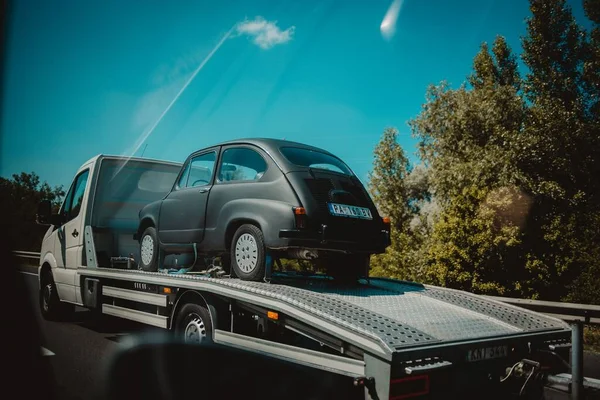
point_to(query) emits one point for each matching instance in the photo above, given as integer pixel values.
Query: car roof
(272, 144)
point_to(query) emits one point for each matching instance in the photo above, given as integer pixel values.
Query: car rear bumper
(373, 244)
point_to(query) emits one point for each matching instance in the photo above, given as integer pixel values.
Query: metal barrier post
(577, 360)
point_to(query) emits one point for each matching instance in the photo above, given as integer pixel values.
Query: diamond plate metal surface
(323, 299)
(413, 308)
(398, 314)
(522, 319)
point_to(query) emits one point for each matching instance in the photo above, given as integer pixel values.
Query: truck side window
(201, 170)
(78, 194)
(241, 164)
(74, 197)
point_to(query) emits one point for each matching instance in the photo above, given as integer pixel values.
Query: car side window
(74, 197)
(241, 164)
(201, 170)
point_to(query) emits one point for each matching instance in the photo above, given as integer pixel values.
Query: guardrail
(570, 312)
(27, 254)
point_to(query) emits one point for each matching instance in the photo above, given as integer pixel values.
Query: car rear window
(314, 159)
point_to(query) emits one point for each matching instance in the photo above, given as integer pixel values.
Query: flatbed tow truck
(397, 339)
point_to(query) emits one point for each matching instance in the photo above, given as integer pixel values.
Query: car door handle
(203, 190)
(75, 233)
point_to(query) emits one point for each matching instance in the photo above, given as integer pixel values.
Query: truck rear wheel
(193, 324)
(51, 307)
(151, 256)
(248, 253)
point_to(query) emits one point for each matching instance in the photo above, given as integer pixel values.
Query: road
(79, 350)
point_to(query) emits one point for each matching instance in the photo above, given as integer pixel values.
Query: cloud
(265, 34)
(388, 25)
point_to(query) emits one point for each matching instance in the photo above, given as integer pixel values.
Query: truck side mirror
(44, 212)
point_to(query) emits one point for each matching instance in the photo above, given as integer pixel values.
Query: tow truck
(396, 339)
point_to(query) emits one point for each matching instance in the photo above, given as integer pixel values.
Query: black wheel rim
(46, 295)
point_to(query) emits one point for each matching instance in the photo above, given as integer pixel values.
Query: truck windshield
(314, 159)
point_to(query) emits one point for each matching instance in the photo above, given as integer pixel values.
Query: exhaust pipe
(303, 254)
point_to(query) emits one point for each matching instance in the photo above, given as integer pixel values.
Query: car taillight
(300, 217)
(387, 223)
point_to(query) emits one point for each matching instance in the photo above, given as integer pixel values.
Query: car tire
(348, 267)
(51, 307)
(193, 324)
(248, 253)
(151, 256)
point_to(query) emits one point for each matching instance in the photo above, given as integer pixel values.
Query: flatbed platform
(380, 316)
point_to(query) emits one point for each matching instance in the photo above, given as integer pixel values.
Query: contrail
(388, 25)
(145, 135)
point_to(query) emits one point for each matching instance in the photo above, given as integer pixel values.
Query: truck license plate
(487, 353)
(344, 210)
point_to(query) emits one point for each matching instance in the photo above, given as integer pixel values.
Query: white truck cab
(105, 195)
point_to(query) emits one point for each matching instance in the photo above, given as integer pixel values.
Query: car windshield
(314, 159)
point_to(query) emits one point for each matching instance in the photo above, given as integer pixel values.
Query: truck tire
(348, 267)
(248, 253)
(151, 256)
(193, 324)
(51, 307)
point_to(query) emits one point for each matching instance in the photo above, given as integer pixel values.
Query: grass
(591, 338)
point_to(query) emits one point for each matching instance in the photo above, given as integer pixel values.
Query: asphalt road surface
(80, 350)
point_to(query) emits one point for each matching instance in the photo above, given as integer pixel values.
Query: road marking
(28, 273)
(46, 352)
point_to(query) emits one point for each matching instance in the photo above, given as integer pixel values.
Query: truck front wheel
(50, 305)
(151, 256)
(248, 253)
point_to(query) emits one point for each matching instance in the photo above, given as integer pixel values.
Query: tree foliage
(19, 198)
(511, 167)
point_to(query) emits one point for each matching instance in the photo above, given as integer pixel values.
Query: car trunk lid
(316, 189)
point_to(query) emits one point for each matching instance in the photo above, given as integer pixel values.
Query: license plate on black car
(344, 210)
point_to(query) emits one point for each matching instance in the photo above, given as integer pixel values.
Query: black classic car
(245, 199)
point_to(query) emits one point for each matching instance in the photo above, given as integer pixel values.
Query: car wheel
(51, 307)
(151, 255)
(248, 253)
(348, 267)
(194, 325)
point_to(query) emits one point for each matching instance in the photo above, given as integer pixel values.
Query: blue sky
(90, 77)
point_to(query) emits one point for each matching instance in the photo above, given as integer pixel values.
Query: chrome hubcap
(195, 331)
(147, 249)
(246, 253)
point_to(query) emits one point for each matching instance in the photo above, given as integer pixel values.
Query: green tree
(467, 139)
(19, 199)
(387, 184)
(558, 150)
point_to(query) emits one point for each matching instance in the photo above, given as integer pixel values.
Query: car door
(183, 211)
(70, 237)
